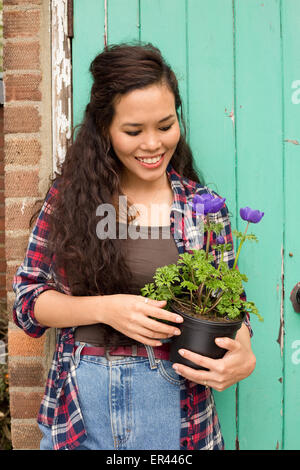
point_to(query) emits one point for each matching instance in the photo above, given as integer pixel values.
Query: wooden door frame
(61, 78)
(62, 33)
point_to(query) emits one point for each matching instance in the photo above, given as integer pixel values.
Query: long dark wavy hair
(90, 173)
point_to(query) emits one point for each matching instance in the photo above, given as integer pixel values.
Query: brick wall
(2, 219)
(28, 164)
(2, 210)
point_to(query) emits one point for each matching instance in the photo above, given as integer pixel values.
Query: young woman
(111, 384)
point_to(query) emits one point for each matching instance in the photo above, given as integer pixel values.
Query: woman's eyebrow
(138, 124)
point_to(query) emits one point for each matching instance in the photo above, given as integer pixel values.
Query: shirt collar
(187, 226)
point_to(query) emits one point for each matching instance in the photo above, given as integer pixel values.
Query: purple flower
(220, 240)
(251, 215)
(207, 204)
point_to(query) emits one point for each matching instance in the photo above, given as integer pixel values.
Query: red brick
(9, 275)
(21, 2)
(21, 183)
(22, 151)
(25, 23)
(20, 344)
(21, 119)
(10, 303)
(21, 56)
(26, 374)
(18, 214)
(15, 247)
(22, 87)
(25, 435)
(25, 404)
(3, 294)
(2, 266)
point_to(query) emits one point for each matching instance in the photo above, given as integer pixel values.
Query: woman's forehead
(154, 102)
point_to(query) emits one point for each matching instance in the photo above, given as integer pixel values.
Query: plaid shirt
(200, 428)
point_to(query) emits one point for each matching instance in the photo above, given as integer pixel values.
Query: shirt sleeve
(34, 275)
(229, 256)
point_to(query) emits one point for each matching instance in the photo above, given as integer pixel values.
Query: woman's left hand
(237, 364)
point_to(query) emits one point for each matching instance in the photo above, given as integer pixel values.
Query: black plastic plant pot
(198, 335)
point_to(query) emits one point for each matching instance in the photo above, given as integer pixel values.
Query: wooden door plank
(211, 93)
(291, 170)
(163, 23)
(88, 41)
(122, 21)
(212, 133)
(260, 186)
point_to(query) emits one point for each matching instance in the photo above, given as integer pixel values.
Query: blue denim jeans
(127, 403)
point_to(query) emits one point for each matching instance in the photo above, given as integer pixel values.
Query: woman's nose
(151, 142)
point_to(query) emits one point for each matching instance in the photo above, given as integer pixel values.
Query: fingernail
(177, 332)
(181, 351)
(179, 319)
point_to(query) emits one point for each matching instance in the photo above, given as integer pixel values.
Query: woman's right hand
(130, 315)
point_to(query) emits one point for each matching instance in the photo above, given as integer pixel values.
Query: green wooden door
(238, 65)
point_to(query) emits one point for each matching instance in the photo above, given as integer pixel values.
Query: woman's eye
(164, 129)
(132, 133)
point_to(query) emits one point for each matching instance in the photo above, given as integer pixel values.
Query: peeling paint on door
(61, 82)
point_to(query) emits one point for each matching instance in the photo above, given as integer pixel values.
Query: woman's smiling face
(144, 133)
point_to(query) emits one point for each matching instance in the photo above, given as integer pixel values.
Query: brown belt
(160, 352)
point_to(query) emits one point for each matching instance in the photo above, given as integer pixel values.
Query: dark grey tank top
(155, 247)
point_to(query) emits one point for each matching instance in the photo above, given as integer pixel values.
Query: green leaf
(251, 237)
(189, 285)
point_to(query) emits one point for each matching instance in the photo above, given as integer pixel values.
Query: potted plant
(208, 295)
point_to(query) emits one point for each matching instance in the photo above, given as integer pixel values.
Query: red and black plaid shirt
(200, 428)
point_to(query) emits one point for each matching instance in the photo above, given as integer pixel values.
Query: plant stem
(206, 299)
(183, 303)
(215, 304)
(222, 256)
(200, 290)
(240, 246)
(208, 237)
(175, 298)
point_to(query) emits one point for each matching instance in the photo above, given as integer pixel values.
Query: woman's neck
(151, 201)
(145, 191)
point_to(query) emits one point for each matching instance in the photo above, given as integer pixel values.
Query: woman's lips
(151, 165)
